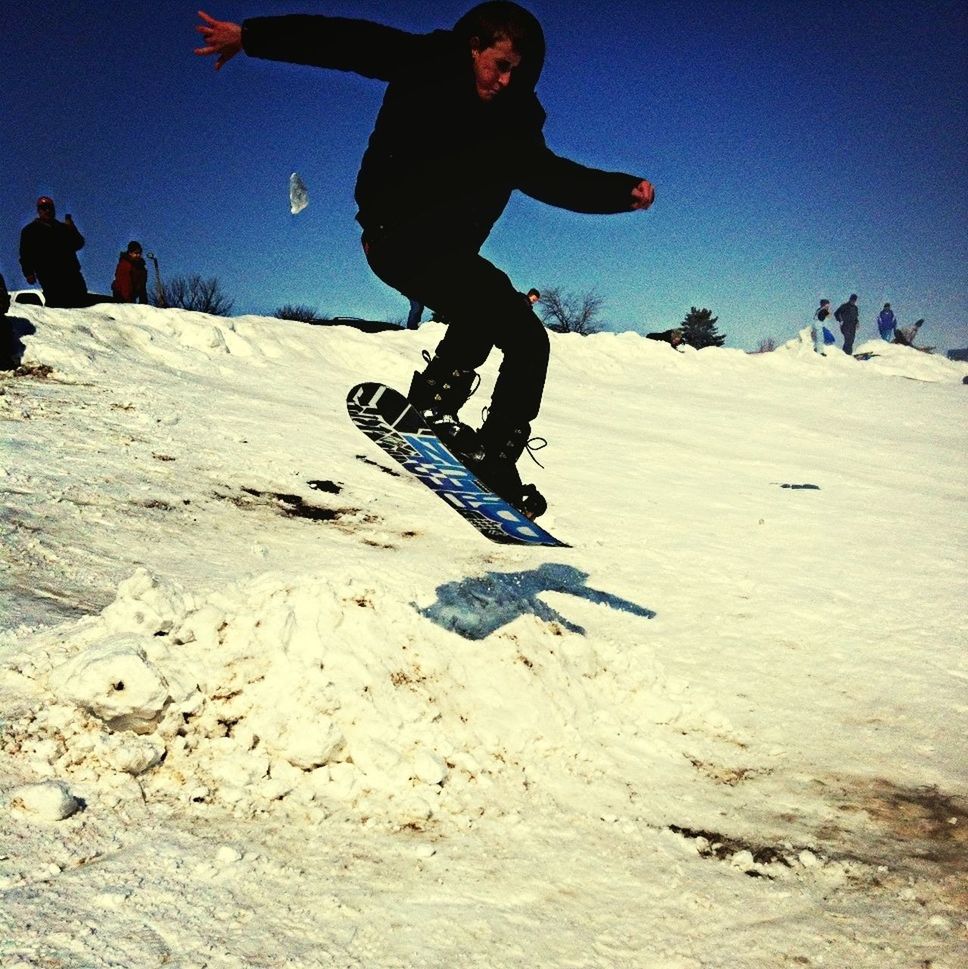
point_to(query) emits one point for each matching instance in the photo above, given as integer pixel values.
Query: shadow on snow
(479, 606)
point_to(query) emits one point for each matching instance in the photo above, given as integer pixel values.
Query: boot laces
(533, 444)
(428, 359)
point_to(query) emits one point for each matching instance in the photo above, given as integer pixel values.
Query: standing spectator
(48, 254)
(847, 316)
(820, 330)
(416, 311)
(533, 296)
(887, 323)
(131, 276)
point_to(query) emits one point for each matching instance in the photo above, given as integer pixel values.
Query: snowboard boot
(501, 444)
(438, 394)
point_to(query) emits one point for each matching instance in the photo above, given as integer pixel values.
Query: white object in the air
(298, 194)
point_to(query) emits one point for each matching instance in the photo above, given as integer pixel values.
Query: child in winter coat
(131, 276)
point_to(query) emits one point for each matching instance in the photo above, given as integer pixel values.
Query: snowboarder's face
(493, 67)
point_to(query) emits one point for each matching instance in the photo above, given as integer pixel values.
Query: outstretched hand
(221, 37)
(643, 195)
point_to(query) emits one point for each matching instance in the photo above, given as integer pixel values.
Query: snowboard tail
(386, 417)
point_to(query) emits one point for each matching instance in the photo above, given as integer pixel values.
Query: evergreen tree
(699, 328)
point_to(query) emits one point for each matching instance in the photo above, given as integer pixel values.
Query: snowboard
(385, 416)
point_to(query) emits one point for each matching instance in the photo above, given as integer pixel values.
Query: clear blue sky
(799, 149)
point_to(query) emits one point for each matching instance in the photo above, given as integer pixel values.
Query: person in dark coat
(131, 276)
(425, 214)
(847, 317)
(48, 254)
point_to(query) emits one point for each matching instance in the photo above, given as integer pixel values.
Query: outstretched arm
(221, 37)
(643, 195)
(558, 181)
(360, 46)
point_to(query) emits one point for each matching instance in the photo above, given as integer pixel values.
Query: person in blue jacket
(413, 317)
(886, 323)
(425, 214)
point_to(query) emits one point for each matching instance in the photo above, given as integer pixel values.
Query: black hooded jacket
(437, 151)
(846, 314)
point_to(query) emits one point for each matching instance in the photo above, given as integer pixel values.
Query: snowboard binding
(438, 394)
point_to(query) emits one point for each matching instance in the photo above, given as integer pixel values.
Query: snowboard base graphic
(385, 416)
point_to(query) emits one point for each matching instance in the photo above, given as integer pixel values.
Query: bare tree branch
(195, 293)
(300, 313)
(571, 312)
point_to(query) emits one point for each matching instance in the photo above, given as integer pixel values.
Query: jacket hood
(497, 18)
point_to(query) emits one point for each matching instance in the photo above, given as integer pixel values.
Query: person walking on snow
(846, 316)
(425, 215)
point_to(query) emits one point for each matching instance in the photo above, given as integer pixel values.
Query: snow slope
(267, 702)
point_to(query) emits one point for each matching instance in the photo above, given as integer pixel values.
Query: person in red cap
(48, 254)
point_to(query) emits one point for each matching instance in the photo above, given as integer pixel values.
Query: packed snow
(267, 702)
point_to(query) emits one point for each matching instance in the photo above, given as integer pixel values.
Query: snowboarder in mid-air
(425, 213)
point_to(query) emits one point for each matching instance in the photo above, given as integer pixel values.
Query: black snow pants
(849, 331)
(482, 308)
(65, 289)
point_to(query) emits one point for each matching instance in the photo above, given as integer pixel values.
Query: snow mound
(892, 359)
(329, 689)
(877, 356)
